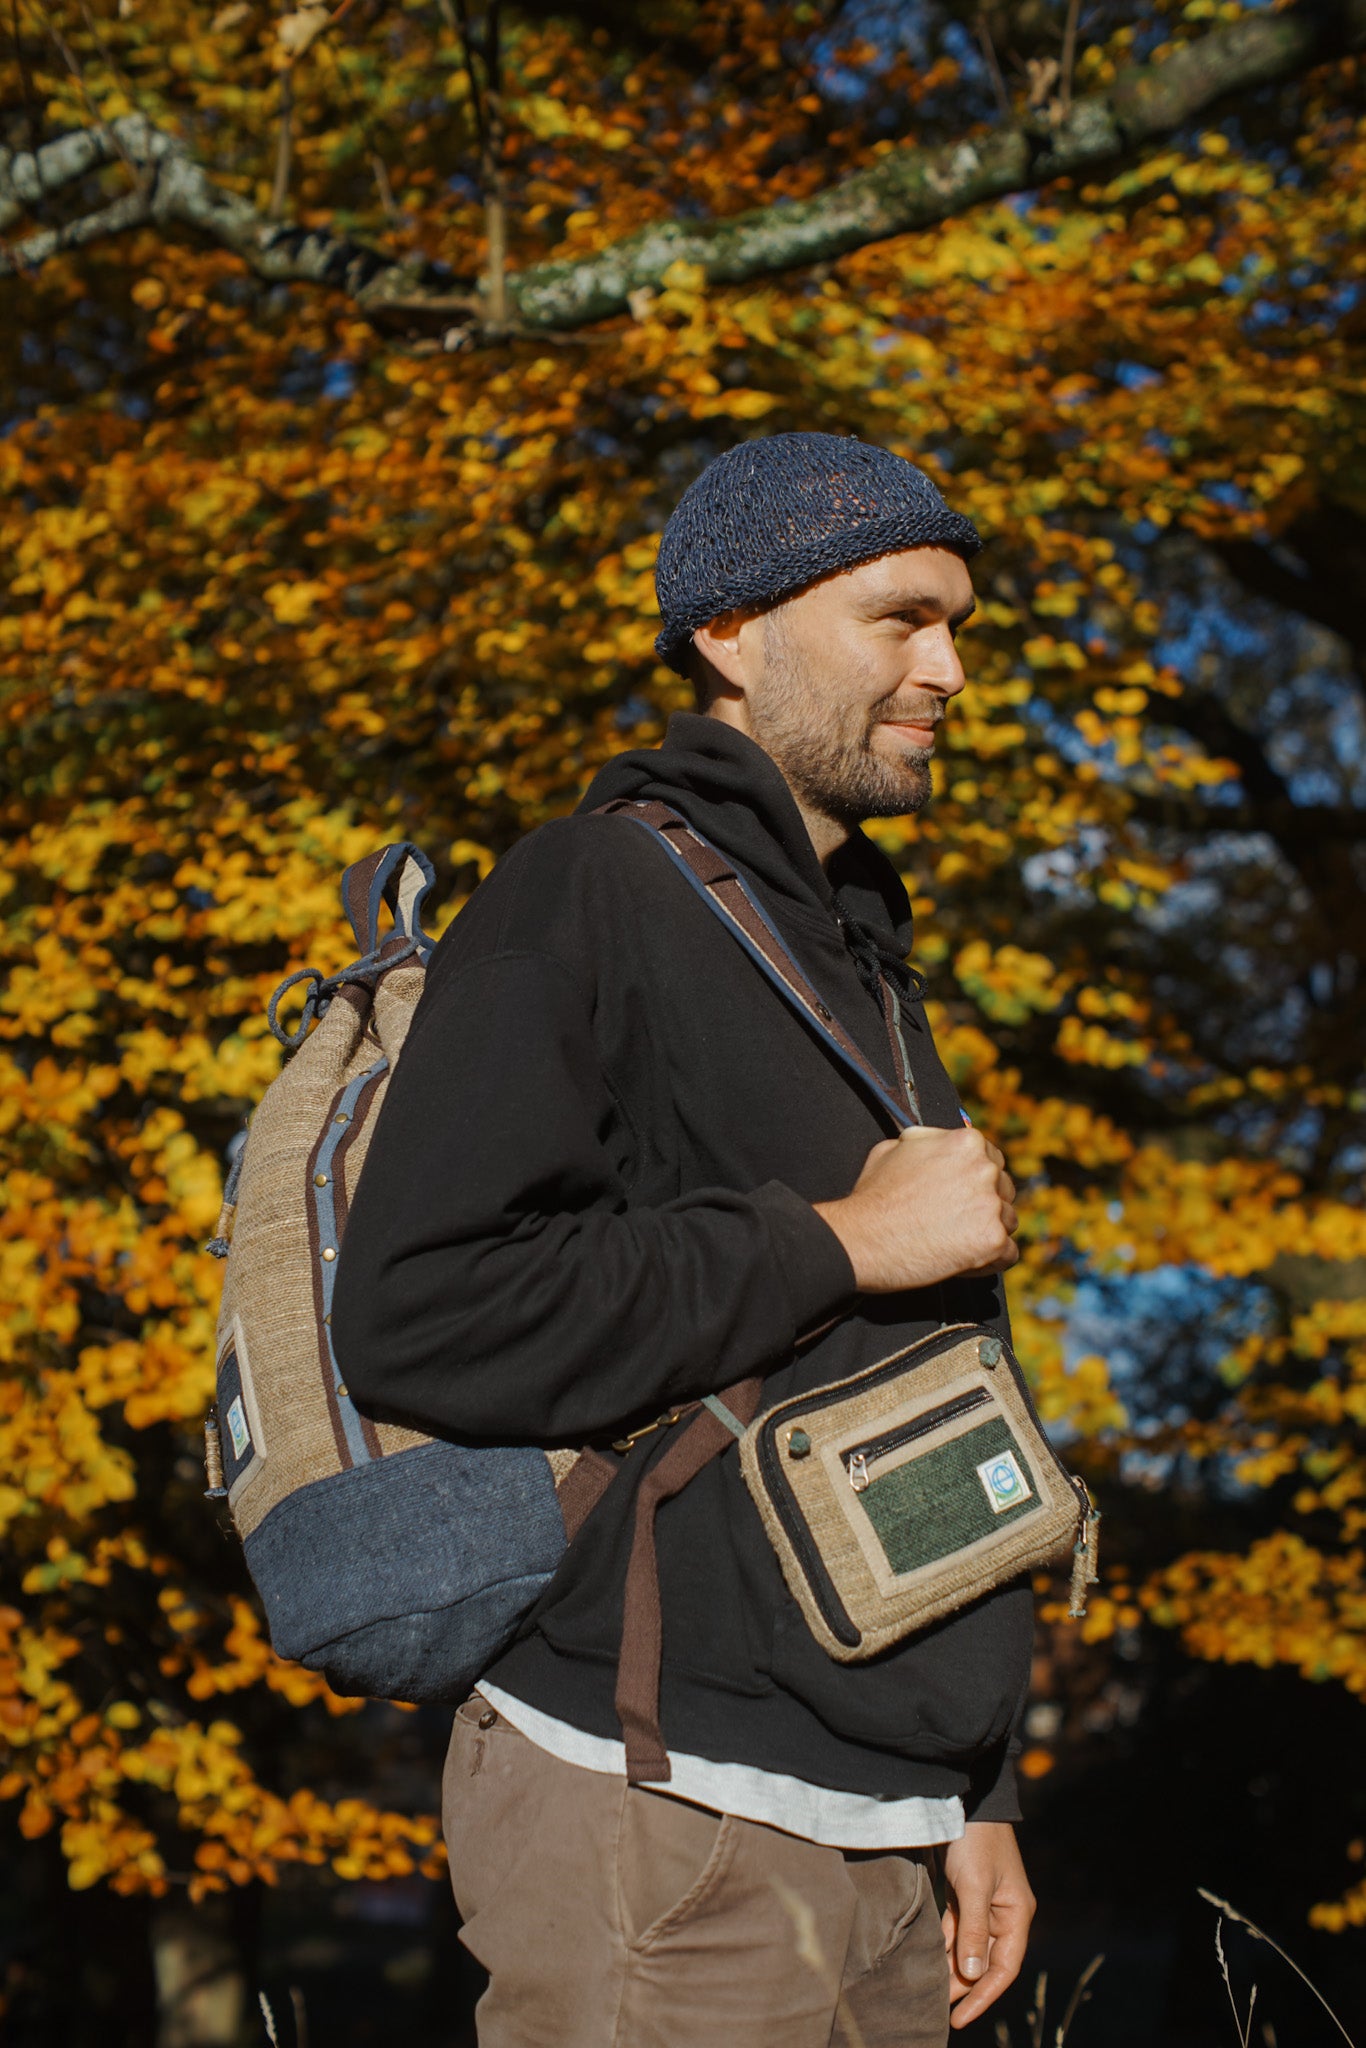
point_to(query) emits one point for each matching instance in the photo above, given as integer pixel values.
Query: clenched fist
(928, 1206)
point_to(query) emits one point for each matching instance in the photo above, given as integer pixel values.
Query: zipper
(901, 1059)
(856, 1460)
(822, 1591)
(771, 1465)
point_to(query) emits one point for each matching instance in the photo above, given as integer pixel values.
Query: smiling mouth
(920, 732)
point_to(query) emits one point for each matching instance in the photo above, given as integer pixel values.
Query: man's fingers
(972, 1936)
(1008, 1947)
(972, 2003)
(996, 1156)
(1008, 1256)
(1010, 1221)
(1005, 1186)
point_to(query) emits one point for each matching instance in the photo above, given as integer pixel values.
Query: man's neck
(827, 834)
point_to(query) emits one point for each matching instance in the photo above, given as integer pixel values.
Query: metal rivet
(341, 1391)
(342, 1119)
(798, 1444)
(487, 1718)
(823, 1013)
(329, 1252)
(328, 1317)
(320, 1180)
(989, 1351)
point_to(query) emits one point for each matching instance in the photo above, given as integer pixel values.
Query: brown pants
(614, 1917)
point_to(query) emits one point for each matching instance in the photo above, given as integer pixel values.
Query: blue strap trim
(884, 1099)
(390, 862)
(388, 883)
(325, 1208)
(723, 1414)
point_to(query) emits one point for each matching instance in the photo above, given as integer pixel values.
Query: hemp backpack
(400, 1565)
(396, 1563)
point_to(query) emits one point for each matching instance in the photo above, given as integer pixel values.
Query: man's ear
(726, 646)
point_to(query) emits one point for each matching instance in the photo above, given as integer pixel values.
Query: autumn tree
(355, 359)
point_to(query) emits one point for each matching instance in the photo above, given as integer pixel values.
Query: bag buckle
(626, 1443)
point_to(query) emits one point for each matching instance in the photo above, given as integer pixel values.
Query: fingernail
(973, 1967)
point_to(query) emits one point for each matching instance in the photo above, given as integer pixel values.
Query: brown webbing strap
(704, 1435)
(723, 885)
(700, 1439)
(356, 886)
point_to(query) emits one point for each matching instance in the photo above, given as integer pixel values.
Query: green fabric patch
(935, 1504)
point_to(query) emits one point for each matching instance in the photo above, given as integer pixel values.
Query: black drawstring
(877, 962)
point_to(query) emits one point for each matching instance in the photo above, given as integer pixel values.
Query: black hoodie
(589, 1198)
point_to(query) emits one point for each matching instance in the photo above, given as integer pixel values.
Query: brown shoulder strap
(709, 1430)
(717, 881)
(701, 1438)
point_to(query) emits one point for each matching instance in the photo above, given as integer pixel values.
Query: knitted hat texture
(771, 516)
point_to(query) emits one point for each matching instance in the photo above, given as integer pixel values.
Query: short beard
(823, 742)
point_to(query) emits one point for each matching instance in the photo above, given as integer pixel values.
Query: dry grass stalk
(1228, 1912)
(1036, 2017)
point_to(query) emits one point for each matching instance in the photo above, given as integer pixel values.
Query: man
(616, 1173)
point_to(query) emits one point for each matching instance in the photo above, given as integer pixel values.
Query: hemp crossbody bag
(892, 1498)
(907, 1491)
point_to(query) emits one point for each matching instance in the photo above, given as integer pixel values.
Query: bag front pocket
(858, 1460)
(941, 1484)
(908, 1491)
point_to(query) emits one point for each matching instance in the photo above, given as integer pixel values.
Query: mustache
(889, 712)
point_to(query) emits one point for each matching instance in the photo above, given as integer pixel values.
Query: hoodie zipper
(857, 1459)
(901, 1059)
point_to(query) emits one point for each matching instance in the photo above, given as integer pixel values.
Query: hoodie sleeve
(994, 1794)
(494, 1280)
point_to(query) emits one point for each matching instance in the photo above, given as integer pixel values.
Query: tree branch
(914, 188)
(1202, 716)
(1068, 60)
(284, 146)
(908, 189)
(28, 177)
(987, 44)
(132, 211)
(1329, 541)
(177, 191)
(485, 79)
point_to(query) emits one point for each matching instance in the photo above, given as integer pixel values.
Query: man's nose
(937, 666)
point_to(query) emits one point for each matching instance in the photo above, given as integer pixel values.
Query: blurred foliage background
(321, 528)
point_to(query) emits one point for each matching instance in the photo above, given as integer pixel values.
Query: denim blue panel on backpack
(403, 1578)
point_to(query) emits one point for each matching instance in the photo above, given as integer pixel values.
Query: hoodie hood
(735, 795)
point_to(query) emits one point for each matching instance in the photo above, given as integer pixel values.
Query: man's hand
(986, 1921)
(927, 1206)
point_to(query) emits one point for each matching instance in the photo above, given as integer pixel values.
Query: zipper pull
(858, 1472)
(1085, 1558)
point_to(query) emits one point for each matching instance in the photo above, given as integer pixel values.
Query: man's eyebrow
(892, 600)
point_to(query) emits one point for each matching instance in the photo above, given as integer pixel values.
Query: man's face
(846, 683)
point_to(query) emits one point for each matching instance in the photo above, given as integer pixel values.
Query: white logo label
(237, 1428)
(1003, 1481)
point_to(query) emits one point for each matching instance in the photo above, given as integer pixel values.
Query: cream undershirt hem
(836, 1820)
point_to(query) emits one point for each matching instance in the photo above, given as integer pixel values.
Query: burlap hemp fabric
(901, 1494)
(396, 1563)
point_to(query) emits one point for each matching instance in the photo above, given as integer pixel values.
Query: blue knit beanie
(771, 516)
